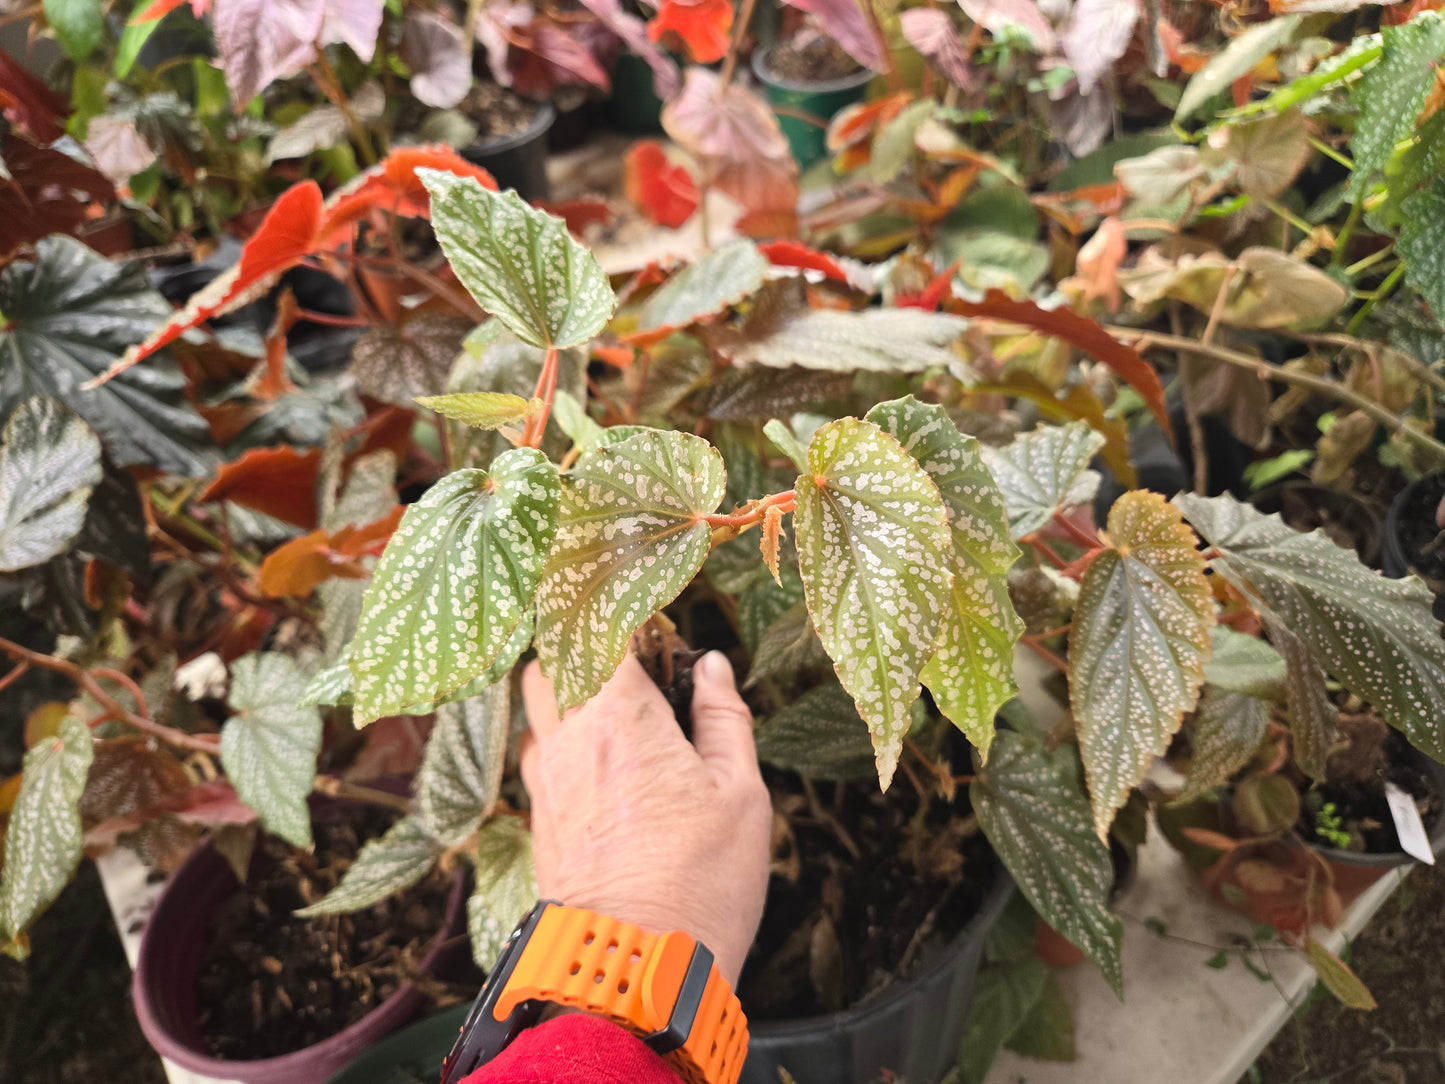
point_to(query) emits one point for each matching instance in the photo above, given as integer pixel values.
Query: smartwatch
(664, 988)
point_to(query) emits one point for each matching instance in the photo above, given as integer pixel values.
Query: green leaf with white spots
(506, 887)
(713, 284)
(876, 559)
(385, 866)
(819, 735)
(1391, 94)
(329, 686)
(49, 463)
(482, 409)
(520, 263)
(1375, 636)
(1314, 717)
(43, 836)
(269, 744)
(1244, 664)
(454, 582)
(1422, 241)
(971, 675)
(869, 340)
(1137, 647)
(461, 770)
(1229, 728)
(1045, 471)
(1032, 808)
(630, 537)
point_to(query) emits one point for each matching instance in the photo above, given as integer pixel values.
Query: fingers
(722, 726)
(539, 700)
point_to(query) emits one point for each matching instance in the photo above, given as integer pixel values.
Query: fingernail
(716, 669)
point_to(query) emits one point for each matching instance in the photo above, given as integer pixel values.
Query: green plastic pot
(635, 107)
(822, 99)
(413, 1055)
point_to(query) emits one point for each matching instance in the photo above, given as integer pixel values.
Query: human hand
(632, 820)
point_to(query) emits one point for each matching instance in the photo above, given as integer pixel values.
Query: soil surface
(1400, 956)
(65, 1014)
(272, 983)
(497, 112)
(1360, 802)
(1421, 539)
(810, 58)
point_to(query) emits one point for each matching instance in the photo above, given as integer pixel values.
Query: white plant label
(1408, 825)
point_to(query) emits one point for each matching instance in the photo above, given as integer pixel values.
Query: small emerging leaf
(771, 537)
(482, 409)
(49, 462)
(384, 867)
(506, 887)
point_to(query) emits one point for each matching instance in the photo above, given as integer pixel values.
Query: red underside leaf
(796, 254)
(47, 192)
(1082, 332)
(392, 185)
(578, 213)
(701, 25)
(296, 568)
(279, 481)
(288, 232)
(665, 193)
(28, 103)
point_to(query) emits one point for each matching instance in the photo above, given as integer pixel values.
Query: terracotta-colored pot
(164, 984)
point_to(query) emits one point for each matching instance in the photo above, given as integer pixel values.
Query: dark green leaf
(712, 284)
(789, 645)
(1047, 1032)
(1228, 730)
(1043, 472)
(385, 866)
(1244, 664)
(78, 25)
(461, 771)
(819, 735)
(49, 462)
(72, 313)
(1422, 243)
(1001, 1002)
(1391, 94)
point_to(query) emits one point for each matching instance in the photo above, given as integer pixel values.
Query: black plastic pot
(1349, 514)
(413, 1054)
(518, 161)
(912, 1029)
(821, 99)
(1410, 519)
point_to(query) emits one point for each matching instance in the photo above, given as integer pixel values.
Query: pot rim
(764, 74)
(182, 1052)
(544, 119)
(1390, 545)
(994, 901)
(1390, 860)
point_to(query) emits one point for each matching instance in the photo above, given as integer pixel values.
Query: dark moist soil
(1400, 956)
(497, 112)
(1361, 805)
(810, 58)
(1348, 522)
(271, 983)
(1419, 533)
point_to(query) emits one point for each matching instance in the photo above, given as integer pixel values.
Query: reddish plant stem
(329, 319)
(130, 686)
(546, 390)
(20, 670)
(755, 511)
(740, 33)
(1076, 533)
(200, 743)
(1044, 653)
(1048, 551)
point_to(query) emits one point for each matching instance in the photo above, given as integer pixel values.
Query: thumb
(722, 726)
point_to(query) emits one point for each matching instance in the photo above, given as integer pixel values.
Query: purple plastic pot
(164, 984)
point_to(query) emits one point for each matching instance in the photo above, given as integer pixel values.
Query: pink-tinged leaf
(845, 23)
(997, 15)
(633, 32)
(214, 803)
(553, 55)
(355, 23)
(932, 33)
(733, 132)
(1098, 33)
(435, 50)
(288, 232)
(261, 41)
(118, 148)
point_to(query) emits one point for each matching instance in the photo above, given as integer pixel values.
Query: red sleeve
(575, 1049)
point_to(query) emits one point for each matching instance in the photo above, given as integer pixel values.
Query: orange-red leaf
(771, 537)
(796, 254)
(578, 213)
(279, 481)
(664, 192)
(392, 185)
(288, 232)
(1080, 331)
(295, 569)
(701, 25)
(857, 123)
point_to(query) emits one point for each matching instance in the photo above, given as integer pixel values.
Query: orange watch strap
(614, 969)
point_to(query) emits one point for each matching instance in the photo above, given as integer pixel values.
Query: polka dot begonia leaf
(520, 264)
(1228, 730)
(453, 584)
(876, 560)
(1032, 808)
(1137, 647)
(506, 886)
(971, 675)
(386, 865)
(1375, 636)
(630, 537)
(461, 769)
(1043, 472)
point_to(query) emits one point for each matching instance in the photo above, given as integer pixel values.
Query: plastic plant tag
(1409, 827)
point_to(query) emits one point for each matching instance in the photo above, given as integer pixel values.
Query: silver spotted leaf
(1033, 810)
(1244, 664)
(1375, 636)
(505, 889)
(1137, 647)
(630, 537)
(971, 675)
(1314, 717)
(1422, 240)
(871, 340)
(1391, 93)
(520, 263)
(787, 646)
(1229, 728)
(49, 463)
(461, 770)
(818, 735)
(1043, 472)
(43, 836)
(876, 559)
(711, 285)
(270, 742)
(386, 865)
(454, 582)
(763, 602)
